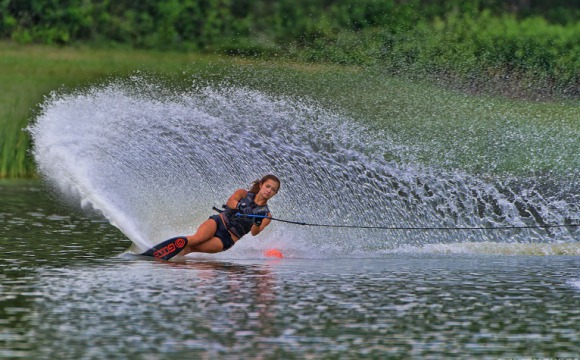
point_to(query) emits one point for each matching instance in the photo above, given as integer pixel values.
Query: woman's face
(269, 188)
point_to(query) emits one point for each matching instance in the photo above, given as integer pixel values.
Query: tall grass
(14, 142)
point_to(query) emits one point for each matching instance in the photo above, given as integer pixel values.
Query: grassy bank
(30, 72)
(434, 126)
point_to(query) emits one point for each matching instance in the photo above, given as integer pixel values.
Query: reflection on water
(413, 306)
(66, 293)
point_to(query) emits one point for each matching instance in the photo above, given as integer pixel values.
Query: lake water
(67, 292)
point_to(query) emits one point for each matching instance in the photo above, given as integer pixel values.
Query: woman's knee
(205, 232)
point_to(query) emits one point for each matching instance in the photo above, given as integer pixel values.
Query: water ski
(167, 249)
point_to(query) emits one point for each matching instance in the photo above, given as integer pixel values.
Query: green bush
(485, 44)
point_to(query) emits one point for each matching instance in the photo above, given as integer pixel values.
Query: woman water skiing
(220, 232)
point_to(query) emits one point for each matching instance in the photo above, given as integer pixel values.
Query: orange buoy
(273, 253)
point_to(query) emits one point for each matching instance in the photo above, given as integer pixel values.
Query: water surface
(66, 292)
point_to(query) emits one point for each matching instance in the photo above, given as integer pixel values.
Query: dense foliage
(524, 39)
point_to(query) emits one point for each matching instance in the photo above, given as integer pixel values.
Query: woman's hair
(256, 184)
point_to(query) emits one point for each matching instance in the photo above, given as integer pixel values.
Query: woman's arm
(233, 201)
(256, 229)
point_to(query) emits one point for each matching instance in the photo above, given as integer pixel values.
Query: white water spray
(155, 163)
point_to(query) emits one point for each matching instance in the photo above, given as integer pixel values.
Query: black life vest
(239, 225)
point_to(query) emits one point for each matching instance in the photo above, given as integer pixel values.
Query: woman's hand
(258, 220)
(260, 223)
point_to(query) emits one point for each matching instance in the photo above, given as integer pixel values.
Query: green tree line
(207, 23)
(530, 38)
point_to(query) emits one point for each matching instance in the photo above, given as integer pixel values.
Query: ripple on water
(422, 306)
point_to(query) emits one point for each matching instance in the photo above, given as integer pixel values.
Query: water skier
(220, 232)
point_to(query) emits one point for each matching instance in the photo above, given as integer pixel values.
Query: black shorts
(222, 232)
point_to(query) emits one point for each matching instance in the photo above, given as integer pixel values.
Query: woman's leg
(213, 245)
(204, 239)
